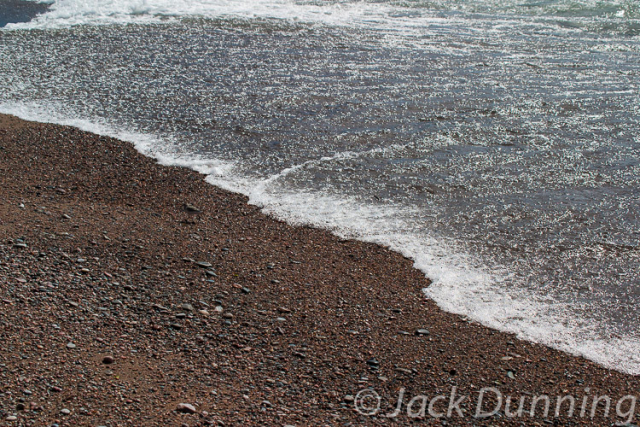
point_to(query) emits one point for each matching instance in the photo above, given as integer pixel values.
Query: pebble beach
(135, 294)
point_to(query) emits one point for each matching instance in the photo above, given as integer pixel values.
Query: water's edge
(473, 285)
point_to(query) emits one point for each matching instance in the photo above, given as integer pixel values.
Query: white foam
(65, 13)
(353, 13)
(461, 284)
(159, 148)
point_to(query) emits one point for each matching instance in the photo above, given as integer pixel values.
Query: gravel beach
(134, 294)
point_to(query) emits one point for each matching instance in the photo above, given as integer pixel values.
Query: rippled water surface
(497, 146)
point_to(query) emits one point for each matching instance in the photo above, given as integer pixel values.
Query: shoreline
(103, 255)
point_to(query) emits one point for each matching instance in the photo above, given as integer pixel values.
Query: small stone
(511, 375)
(181, 315)
(227, 315)
(65, 411)
(281, 319)
(373, 362)
(187, 307)
(71, 345)
(218, 309)
(20, 407)
(203, 264)
(211, 273)
(190, 208)
(422, 332)
(348, 398)
(108, 360)
(12, 418)
(186, 408)
(203, 312)
(20, 245)
(246, 290)
(65, 216)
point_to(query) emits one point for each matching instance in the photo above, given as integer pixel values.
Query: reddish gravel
(106, 318)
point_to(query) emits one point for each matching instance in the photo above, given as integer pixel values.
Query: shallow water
(498, 147)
